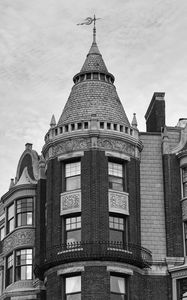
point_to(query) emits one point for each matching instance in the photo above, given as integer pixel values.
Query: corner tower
(92, 212)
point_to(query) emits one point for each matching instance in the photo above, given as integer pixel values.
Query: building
(102, 214)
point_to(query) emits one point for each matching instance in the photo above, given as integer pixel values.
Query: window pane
(116, 183)
(73, 183)
(116, 236)
(115, 169)
(117, 284)
(2, 233)
(182, 288)
(73, 284)
(72, 169)
(74, 236)
(11, 211)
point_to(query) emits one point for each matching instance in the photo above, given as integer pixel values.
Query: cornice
(93, 139)
(16, 189)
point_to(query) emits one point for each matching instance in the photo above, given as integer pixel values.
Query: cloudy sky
(143, 43)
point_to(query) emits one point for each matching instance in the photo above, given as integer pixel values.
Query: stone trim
(70, 202)
(122, 270)
(118, 202)
(70, 270)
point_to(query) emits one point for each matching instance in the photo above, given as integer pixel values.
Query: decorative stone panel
(70, 202)
(22, 237)
(118, 202)
(116, 145)
(184, 209)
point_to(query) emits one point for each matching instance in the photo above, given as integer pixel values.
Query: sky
(143, 43)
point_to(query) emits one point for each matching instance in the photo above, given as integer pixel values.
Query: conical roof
(93, 93)
(94, 61)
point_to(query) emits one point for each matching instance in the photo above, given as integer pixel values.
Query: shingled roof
(93, 95)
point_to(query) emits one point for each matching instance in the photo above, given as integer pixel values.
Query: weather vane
(89, 21)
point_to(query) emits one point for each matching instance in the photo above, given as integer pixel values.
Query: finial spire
(94, 30)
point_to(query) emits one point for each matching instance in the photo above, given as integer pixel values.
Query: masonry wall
(173, 210)
(153, 232)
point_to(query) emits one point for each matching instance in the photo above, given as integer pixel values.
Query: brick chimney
(155, 115)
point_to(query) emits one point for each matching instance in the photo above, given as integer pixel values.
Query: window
(79, 126)
(72, 176)
(108, 126)
(24, 212)
(102, 77)
(10, 218)
(23, 264)
(117, 229)
(115, 171)
(115, 127)
(73, 229)
(117, 288)
(95, 75)
(73, 288)
(88, 76)
(102, 125)
(9, 269)
(184, 181)
(2, 233)
(182, 289)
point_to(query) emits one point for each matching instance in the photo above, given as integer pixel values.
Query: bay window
(19, 265)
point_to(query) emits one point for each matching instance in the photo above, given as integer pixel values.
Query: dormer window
(88, 76)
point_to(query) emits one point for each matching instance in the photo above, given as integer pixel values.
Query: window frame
(77, 292)
(24, 211)
(10, 220)
(76, 222)
(26, 266)
(124, 231)
(113, 179)
(11, 272)
(125, 292)
(178, 285)
(9, 269)
(71, 175)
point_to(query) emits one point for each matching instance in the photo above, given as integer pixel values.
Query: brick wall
(54, 185)
(133, 174)
(94, 185)
(173, 210)
(40, 221)
(153, 234)
(95, 283)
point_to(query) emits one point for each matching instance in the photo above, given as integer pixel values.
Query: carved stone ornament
(118, 202)
(71, 145)
(70, 202)
(115, 145)
(19, 238)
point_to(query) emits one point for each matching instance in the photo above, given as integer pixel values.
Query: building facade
(102, 213)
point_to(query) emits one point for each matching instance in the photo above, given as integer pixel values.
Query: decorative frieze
(70, 202)
(118, 202)
(22, 237)
(128, 147)
(116, 145)
(71, 145)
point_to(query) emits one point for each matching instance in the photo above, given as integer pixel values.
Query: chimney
(155, 115)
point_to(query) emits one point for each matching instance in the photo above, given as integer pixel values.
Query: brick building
(102, 213)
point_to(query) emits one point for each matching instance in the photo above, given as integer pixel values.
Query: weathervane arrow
(89, 21)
